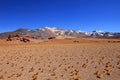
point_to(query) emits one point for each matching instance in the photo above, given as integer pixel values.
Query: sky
(84, 15)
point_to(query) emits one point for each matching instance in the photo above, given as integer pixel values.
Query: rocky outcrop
(16, 37)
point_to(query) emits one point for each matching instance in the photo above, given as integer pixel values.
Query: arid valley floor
(60, 60)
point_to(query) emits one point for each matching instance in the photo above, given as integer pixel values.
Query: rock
(51, 38)
(99, 74)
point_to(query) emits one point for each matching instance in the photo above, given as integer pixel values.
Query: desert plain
(80, 59)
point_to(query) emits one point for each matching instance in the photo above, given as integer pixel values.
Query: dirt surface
(86, 59)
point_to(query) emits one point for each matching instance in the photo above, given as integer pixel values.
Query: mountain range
(56, 32)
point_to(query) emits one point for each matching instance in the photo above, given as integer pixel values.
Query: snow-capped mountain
(98, 33)
(62, 32)
(55, 32)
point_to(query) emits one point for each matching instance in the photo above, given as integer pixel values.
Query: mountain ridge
(55, 32)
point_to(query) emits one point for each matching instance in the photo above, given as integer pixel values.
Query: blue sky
(85, 15)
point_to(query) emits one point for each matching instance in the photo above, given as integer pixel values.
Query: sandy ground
(60, 60)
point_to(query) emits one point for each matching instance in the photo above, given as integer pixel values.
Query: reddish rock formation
(14, 37)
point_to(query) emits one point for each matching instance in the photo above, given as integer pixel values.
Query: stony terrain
(60, 60)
